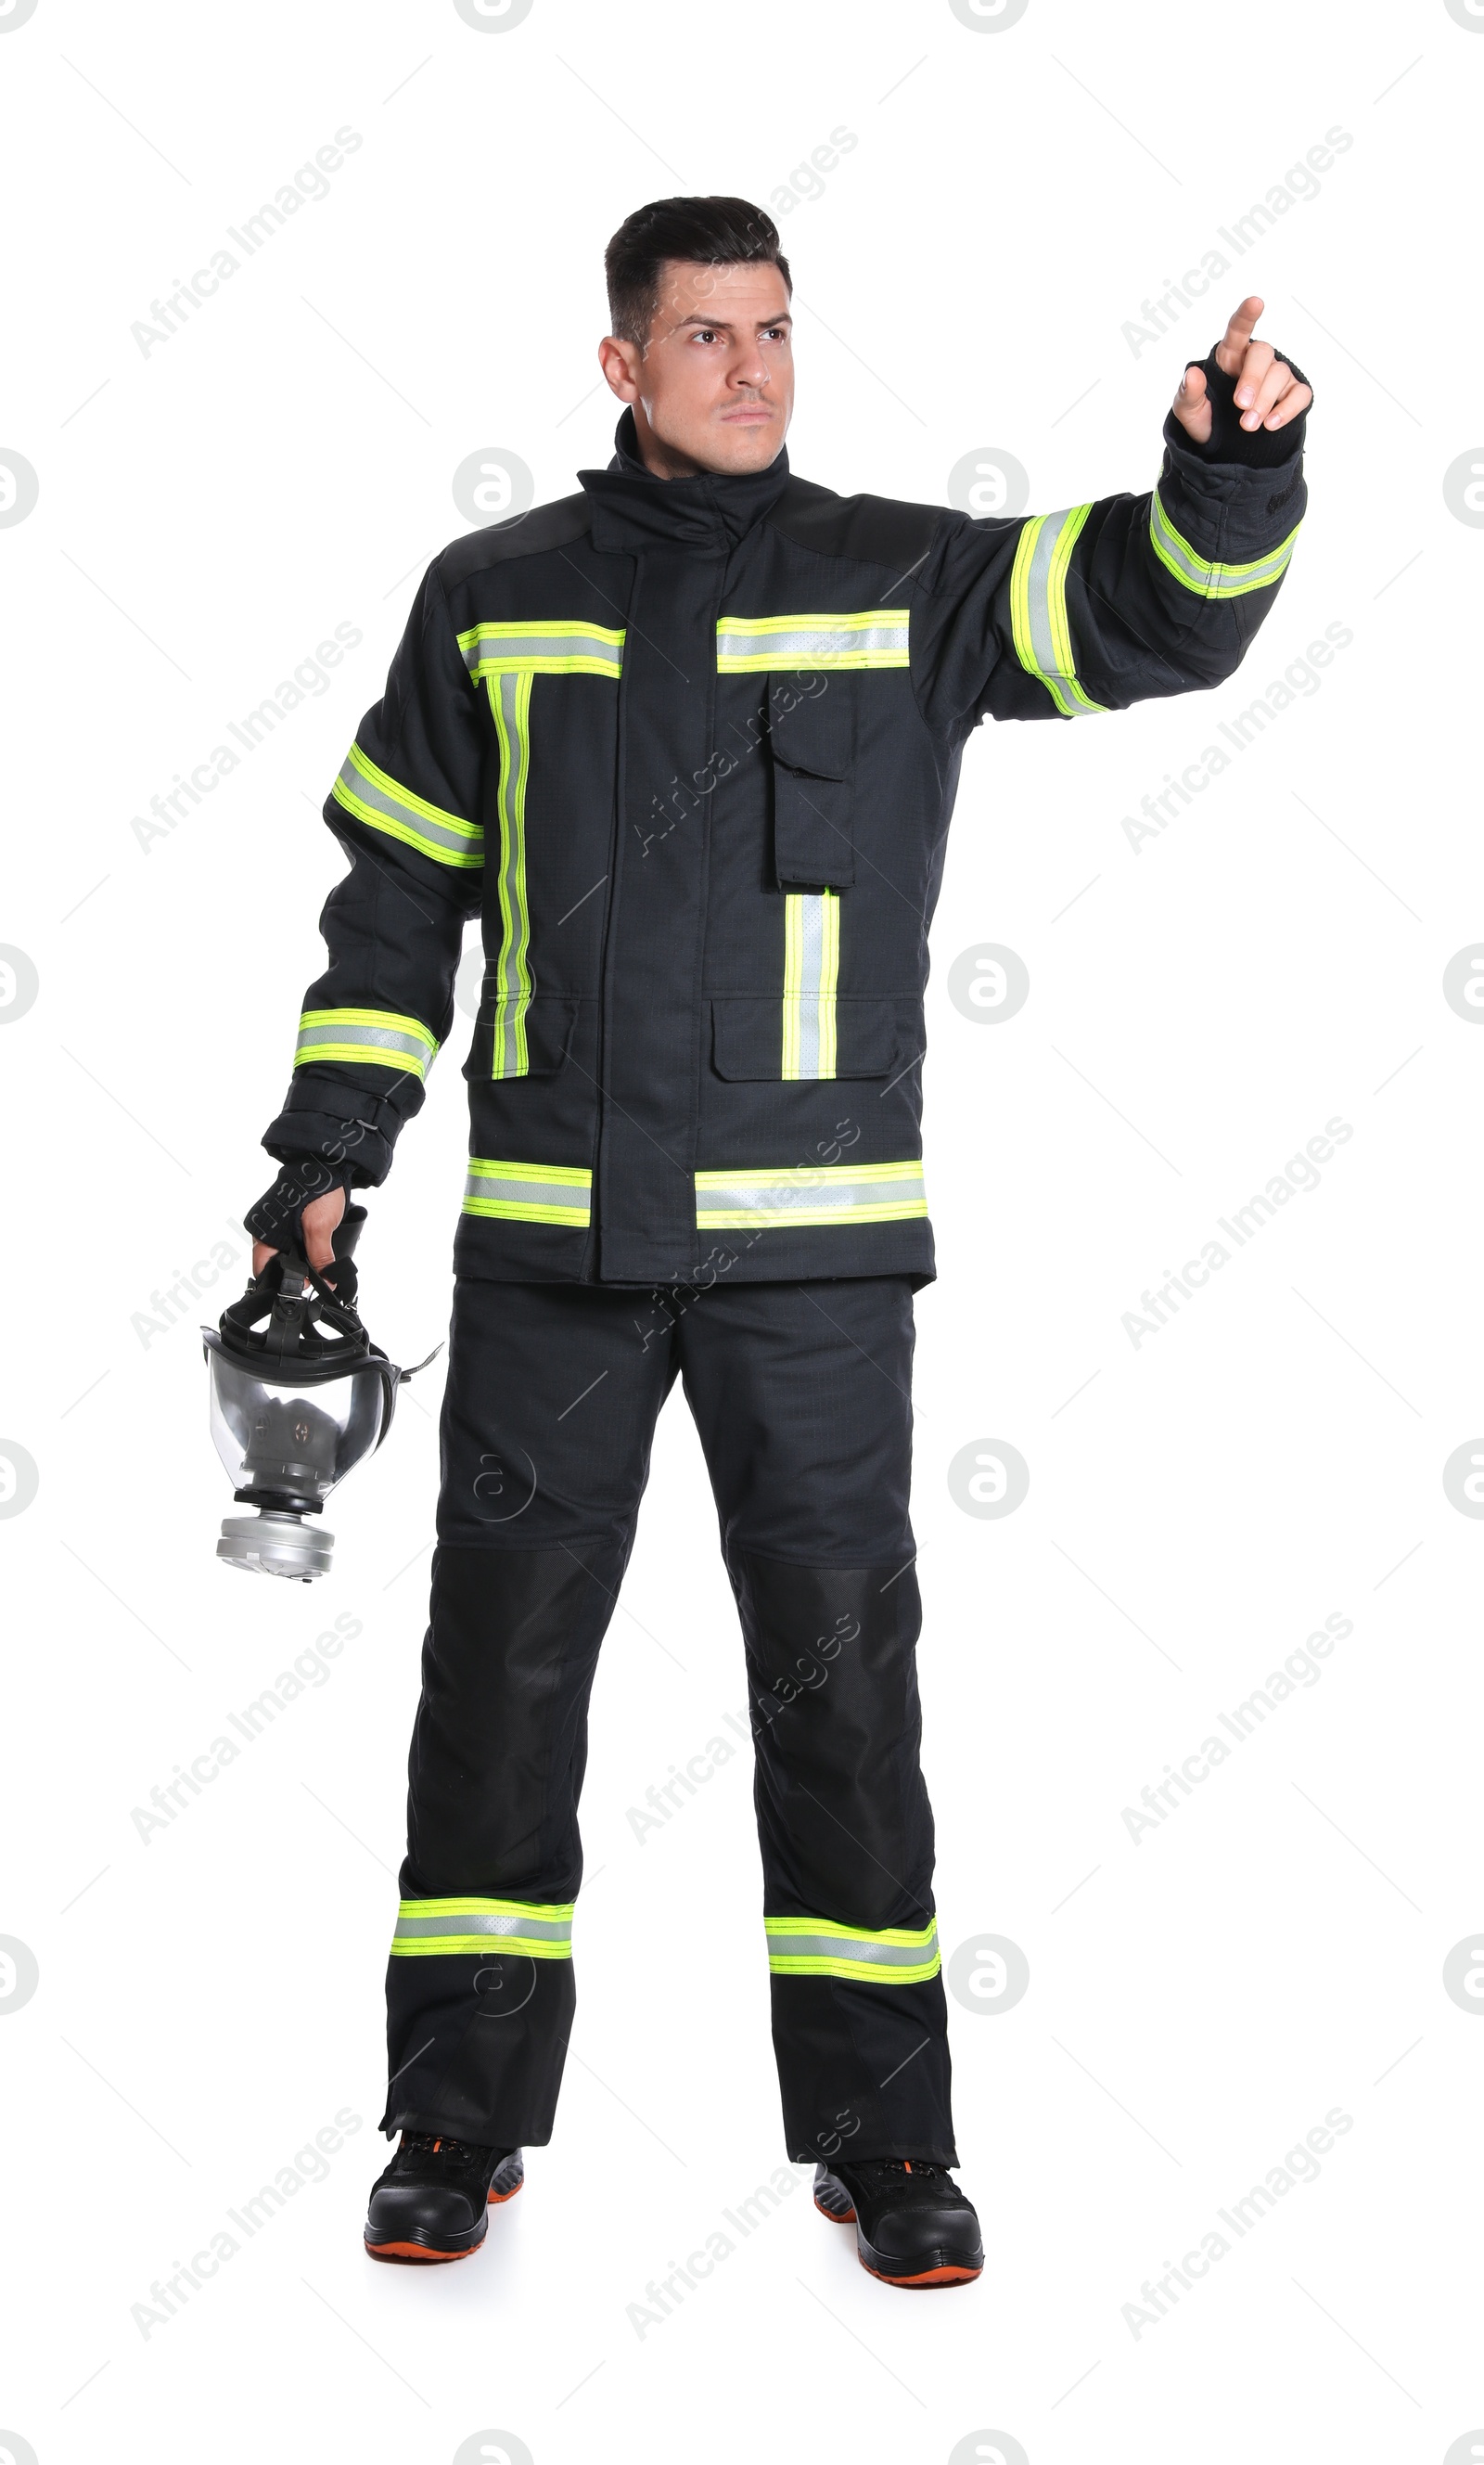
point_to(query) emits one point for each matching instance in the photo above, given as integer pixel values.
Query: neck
(663, 461)
(666, 461)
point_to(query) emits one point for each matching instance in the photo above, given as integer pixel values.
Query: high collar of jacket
(631, 509)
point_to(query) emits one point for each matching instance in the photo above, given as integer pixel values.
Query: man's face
(713, 390)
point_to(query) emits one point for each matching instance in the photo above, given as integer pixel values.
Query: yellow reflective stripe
(871, 637)
(509, 700)
(543, 647)
(810, 1176)
(861, 1972)
(817, 1948)
(452, 1946)
(807, 1194)
(1209, 581)
(479, 1903)
(383, 1038)
(528, 1194)
(1040, 626)
(383, 804)
(812, 968)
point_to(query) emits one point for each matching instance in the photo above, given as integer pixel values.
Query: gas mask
(300, 1397)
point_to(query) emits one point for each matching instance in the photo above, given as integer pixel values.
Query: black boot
(435, 2198)
(913, 2224)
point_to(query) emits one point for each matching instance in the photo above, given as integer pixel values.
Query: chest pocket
(811, 732)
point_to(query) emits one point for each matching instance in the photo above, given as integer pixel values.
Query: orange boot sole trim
(929, 2275)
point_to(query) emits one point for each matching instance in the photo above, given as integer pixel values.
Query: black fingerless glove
(1260, 449)
(278, 1217)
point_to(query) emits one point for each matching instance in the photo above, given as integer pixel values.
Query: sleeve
(406, 810)
(1062, 616)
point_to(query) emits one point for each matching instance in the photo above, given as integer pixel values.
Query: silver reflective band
(812, 968)
(816, 1947)
(376, 798)
(537, 648)
(1040, 622)
(852, 1948)
(529, 1193)
(872, 638)
(445, 1929)
(383, 1038)
(851, 1193)
(510, 699)
(1213, 581)
(485, 1921)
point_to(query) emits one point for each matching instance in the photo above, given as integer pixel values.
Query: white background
(1273, 1949)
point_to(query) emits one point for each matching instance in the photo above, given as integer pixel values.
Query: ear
(620, 364)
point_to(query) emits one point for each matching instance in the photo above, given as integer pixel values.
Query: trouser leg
(802, 1396)
(549, 1415)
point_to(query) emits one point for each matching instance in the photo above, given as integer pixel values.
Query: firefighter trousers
(801, 1397)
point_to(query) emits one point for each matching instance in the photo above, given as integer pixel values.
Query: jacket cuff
(343, 1124)
(1230, 508)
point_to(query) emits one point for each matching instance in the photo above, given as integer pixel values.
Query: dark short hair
(695, 231)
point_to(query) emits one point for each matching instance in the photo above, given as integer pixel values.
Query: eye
(705, 334)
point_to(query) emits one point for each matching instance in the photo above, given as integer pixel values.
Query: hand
(319, 1220)
(1268, 395)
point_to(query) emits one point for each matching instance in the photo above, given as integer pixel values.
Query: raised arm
(1084, 610)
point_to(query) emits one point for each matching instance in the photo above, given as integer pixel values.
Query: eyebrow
(723, 325)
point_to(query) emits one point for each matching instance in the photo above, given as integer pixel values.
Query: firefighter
(687, 743)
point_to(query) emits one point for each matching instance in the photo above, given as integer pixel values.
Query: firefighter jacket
(689, 749)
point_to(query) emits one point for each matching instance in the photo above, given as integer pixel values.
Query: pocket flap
(549, 1021)
(812, 721)
(873, 1038)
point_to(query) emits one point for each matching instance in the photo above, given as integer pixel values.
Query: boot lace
(429, 2144)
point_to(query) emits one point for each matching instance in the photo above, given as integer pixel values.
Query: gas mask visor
(300, 1396)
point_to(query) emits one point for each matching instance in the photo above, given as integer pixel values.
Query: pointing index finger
(1231, 349)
